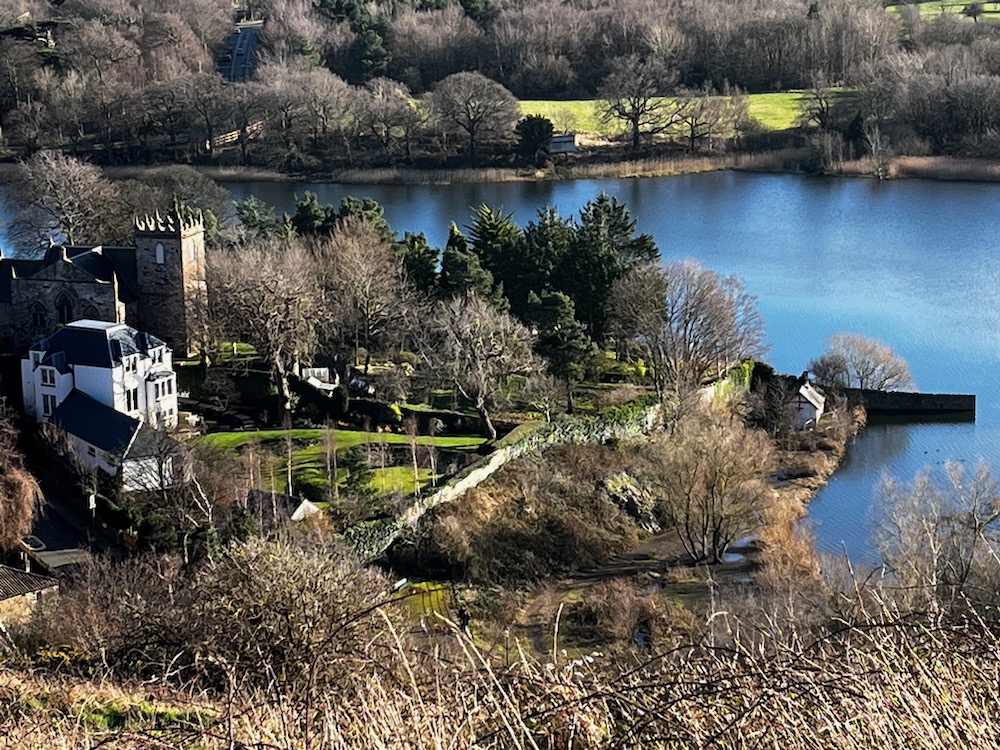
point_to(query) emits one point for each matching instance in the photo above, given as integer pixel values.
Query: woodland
(341, 84)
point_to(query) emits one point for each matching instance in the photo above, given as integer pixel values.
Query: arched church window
(90, 313)
(64, 309)
(38, 317)
(159, 253)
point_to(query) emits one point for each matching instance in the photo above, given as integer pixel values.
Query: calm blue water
(915, 263)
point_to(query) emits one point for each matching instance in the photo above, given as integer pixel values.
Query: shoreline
(784, 161)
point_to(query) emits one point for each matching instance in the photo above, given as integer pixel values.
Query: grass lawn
(345, 439)
(777, 111)
(309, 456)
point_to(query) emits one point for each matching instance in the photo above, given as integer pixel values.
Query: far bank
(784, 161)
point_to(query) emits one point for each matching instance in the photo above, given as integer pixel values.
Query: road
(240, 57)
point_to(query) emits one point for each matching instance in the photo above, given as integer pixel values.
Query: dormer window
(48, 376)
(36, 357)
(159, 253)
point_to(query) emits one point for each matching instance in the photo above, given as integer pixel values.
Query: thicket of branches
(336, 79)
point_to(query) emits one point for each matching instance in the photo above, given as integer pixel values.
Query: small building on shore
(806, 405)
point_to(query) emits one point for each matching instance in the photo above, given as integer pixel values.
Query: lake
(914, 263)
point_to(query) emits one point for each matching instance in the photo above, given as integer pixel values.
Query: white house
(806, 405)
(113, 391)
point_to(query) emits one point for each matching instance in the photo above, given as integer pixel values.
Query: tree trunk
(284, 393)
(484, 416)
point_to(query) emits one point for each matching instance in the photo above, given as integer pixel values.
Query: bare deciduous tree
(474, 347)
(20, 495)
(269, 295)
(633, 93)
(689, 323)
(473, 104)
(940, 540)
(59, 197)
(852, 360)
(710, 481)
(366, 286)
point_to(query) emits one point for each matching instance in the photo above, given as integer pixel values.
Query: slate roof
(94, 343)
(14, 582)
(101, 262)
(95, 423)
(19, 267)
(104, 262)
(58, 361)
(123, 259)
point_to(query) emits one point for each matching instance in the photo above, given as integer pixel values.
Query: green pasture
(935, 9)
(776, 111)
(579, 115)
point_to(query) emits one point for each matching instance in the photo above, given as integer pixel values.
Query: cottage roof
(94, 423)
(813, 395)
(95, 343)
(14, 582)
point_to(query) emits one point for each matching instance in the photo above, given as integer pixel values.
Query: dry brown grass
(946, 168)
(875, 681)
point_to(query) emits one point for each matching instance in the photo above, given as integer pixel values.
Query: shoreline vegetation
(783, 161)
(802, 466)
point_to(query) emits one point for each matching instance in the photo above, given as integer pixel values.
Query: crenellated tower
(170, 276)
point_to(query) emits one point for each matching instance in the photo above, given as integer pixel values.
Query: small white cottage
(806, 405)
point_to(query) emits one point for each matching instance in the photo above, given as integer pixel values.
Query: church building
(156, 285)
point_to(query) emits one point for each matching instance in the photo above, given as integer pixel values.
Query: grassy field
(935, 9)
(309, 456)
(345, 439)
(777, 111)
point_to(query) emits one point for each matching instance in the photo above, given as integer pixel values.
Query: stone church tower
(170, 277)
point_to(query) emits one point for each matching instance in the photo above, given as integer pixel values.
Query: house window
(91, 450)
(48, 404)
(36, 357)
(169, 386)
(48, 376)
(131, 399)
(159, 253)
(156, 390)
(64, 309)
(130, 364)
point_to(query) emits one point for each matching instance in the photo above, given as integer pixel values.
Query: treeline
(339, 83)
